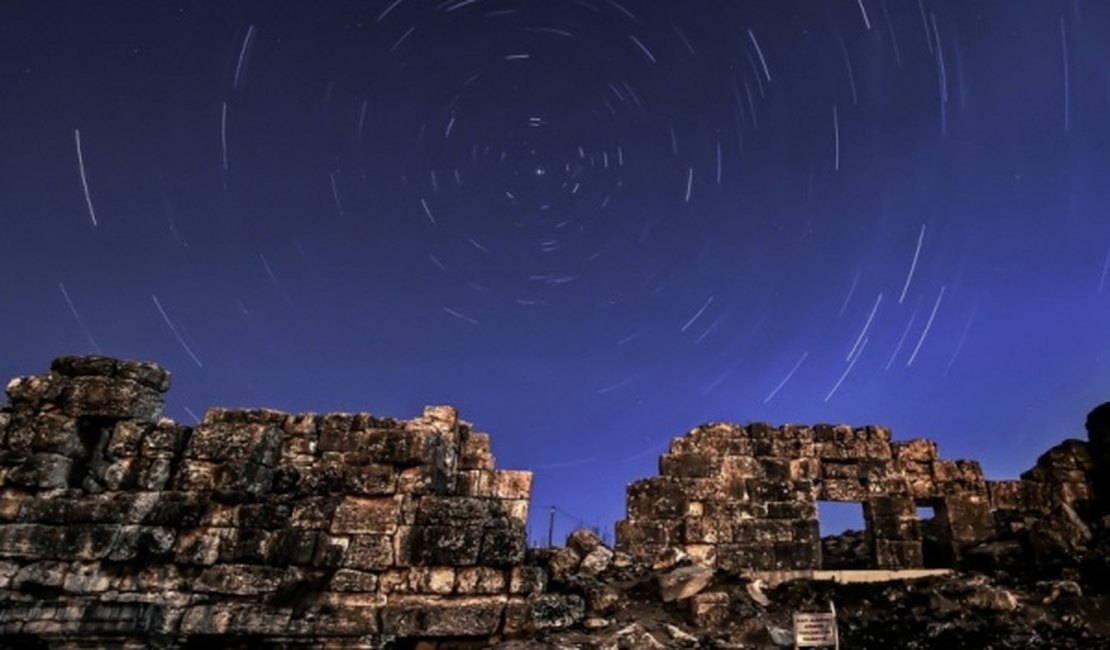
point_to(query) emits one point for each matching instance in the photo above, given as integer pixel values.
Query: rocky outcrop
(258, 528)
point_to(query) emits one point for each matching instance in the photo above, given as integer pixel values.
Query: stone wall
(744, 498)
(116, 524)
(349, 530)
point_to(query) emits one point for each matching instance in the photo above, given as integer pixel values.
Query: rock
(995, 599)
(755, 591)
(584, 541)
(551, 611)
(1060, 589)
(635, 637)
(780, 636)
(563, 562)
(679, 638)
(683, 582)
(669, 558)
(596, 561)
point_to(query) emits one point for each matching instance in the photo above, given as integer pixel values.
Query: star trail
(590, 225)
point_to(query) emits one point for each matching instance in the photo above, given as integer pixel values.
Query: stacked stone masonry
(118, 526)
(115, 523)
(745, 498)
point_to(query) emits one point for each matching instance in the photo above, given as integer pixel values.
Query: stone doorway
(936, 542)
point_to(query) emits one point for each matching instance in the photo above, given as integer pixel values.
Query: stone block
(689, 465)
(369, 552)
(314, 513)
(423, 479)
(112, 398)
(432, 580)
(147, 374)
(707, 530)
(481, 580)
(741, 467)
(242, 579)
(897, 554)
(709, 609)
(841, 490)
(203, 546)
(86, 543)
(526, 580)
(509, 484)
(439, 511)
(444, 545)
(919, 450)
(475, 452)
(657, 498)
(42, 472)
(737, 558)
(293, 546)
(352, 580)
(366, 515)
(503, 542)
(431, 617)
(762, 531)
(795, 556)
(552, 612)
(1005, 495)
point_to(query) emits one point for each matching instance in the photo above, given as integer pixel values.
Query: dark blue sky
(589, 225)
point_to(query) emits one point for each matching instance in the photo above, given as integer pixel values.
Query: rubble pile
(258, 528)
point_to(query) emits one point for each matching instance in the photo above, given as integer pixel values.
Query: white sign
(815, 629)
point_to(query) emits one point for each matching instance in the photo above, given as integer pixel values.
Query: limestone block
(550, 611)
(87, 542)
(736, 558)
(293, 546)
(1005, 495)
(425, 616)
(707, 530)
(794, 556)
(375, 479)
(891, 554)
(445, 510)
(42, 472)
(709, 609)
(526, 580)
(242, 579)
(503, 542)
(841, 490)
(314, 513)
(481, 580)
(689, 465)
(683, 582)
(423, 479)
(475, 483)
(204, 546)
(455, 545)
(147, 374)
(352, 580)
(657, 497)
(918, 450)
(762, 531)
(432, 579)
(475, 452)
(366, 515)
(116, 398)
(369, 552)
(509, 484)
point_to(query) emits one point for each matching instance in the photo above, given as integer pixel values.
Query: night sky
(590, 225)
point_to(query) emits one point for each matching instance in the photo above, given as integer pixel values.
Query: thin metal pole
(551, 529)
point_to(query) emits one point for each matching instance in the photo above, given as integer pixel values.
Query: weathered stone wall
(348, 530)
(116, 524)
(744, 498)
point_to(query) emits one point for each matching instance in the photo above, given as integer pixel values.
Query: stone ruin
(745, 498)
(255, 523)
(121, 527)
